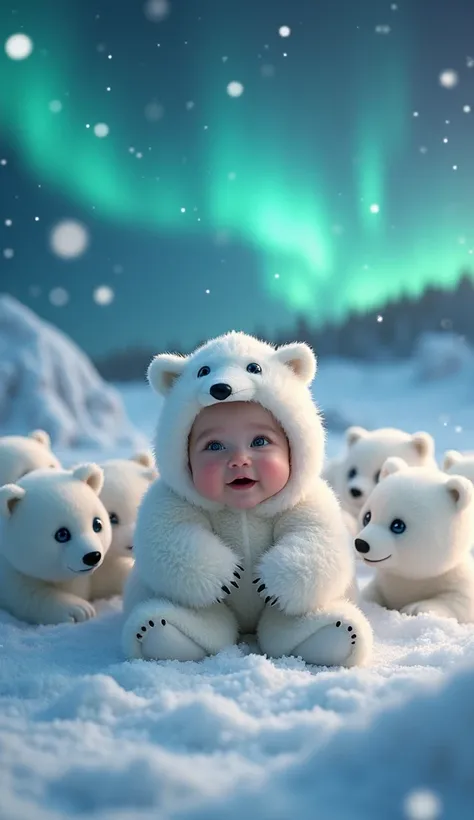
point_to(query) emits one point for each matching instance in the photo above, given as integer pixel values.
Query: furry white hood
(219, 371)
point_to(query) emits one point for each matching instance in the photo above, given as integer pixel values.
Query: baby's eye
(366, 518)
(260, 441)
(398, 526)
(214, 446)
(377, 477)
(352, 473)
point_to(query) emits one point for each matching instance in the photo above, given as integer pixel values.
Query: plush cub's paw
(74, 612)
(427, 608)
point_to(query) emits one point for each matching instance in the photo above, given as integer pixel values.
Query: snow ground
(85, 734)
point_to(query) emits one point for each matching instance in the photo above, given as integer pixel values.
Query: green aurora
(302, 205)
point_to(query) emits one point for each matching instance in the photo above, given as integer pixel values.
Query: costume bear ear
(354, 434)
(423, 444)
(10, 495)
(392, 465)
(41, 436)
(145, 458)
(163, 371)
(299, 357)
(90, 474)
(461, 490)
(451, 457)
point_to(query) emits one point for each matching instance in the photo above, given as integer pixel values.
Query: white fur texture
(428, 567)
(20, 455)
(358, 469)
(291, 551)
(456, 463)
(125, 483)
(43, 580)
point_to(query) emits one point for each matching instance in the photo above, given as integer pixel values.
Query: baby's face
(238, 454)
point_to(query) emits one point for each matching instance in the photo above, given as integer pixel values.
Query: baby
(239, 534)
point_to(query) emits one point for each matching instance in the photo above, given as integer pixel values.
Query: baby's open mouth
(242, 483)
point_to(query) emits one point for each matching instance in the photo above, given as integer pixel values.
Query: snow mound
(47, 382)
(440, 355)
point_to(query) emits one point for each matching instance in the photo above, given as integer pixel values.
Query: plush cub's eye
(97, 525)
(203, 371)
(377, 477)
(366, 518)
(352, 473)
(62, 535)
(398, 526)
(114, 519)
(253, 367)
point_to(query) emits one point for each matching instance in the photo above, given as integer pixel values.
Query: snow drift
(46, 381)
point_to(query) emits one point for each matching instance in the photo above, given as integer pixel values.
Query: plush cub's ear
(354, 434)
(163, 371)
(460, 490)
(392, 465)
(10, 496)
(451, 457)
(299, 357)
(90, 474)
(41, 436)
(145, 458)
(423, 444)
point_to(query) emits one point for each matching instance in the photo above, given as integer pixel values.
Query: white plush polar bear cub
(356, 473)
(125, 482)
(456, 463)
(55, 532)
(206, 571)
(417, 533)
(20, 455)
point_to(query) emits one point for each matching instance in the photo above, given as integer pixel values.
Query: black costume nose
(220, 391)
(355, 492)
(361, 545)
(91, 558)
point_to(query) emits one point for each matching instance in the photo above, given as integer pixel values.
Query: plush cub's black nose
(220, 391)
(355, 492)
(91, 558)
(361, 545)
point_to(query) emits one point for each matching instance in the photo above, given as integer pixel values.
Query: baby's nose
(239, 458)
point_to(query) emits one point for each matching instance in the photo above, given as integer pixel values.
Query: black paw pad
(163, 622)
(139, 636)
(239, 567)
(226, 589)
(237, 575)
(235, 584)
(338, 623)
(143, 628)
(349, 628)
(260, 588)
(151, 623)
(257, 581)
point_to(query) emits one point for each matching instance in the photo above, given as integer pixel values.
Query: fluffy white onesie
(190, 552)
(417, 533)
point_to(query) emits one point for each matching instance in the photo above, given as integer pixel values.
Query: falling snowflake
(422, 804)
(448, 78)
(69, 239)
(18, 46)
(103, 295)
(374, 209)
(156, 10)
(58, 297)
(154, 111)
(101, 129)
(235, 89)
(466, 109)
(55, 106)
(284, 31)
(9, 253)
(382, 29)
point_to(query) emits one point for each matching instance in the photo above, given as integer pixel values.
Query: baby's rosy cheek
(209, 474)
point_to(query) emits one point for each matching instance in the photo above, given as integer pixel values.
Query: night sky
(231, 163)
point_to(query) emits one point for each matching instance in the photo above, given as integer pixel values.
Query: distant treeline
(388, 332)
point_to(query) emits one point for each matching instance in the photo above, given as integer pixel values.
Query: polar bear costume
(20, 455)
(125, 482)
(417, 534)
(355, 474)
(191, 553)
(54, 533)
